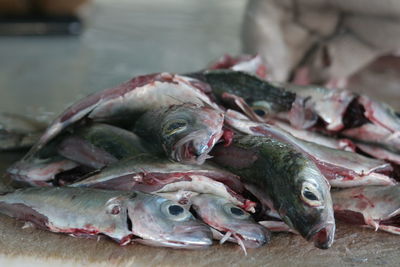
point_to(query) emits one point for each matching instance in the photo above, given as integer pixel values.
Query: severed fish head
(230, 220)
(161, 222)
(186, 132)
(308, 209)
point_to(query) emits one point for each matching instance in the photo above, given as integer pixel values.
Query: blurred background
(54, 52)
(43, 73)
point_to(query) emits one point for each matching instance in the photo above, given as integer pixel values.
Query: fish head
(229, 219)
(189, 132)
(161, 222)
(309, 208)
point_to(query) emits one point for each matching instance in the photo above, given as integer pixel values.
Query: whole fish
(284, 180)
(123, 104)
(151, 174)
(341, 168)
(377, 207)
(229, 220)
(122, 216)
(186, 133)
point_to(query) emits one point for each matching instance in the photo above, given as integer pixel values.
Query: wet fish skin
(249, 87)
(288, 180)
(117, 141)
(98, 145)
(185, 132)
(119, 215)
(222, 215)
(341, 168)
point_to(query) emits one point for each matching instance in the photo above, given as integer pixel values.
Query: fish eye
(175, 126)
(260, 112)
(235, 211)
(175, 211)
(310, 195)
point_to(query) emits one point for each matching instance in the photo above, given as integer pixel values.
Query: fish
(284, 180)
(151, 174)
(122, 104)
(123, 216)
(376, 207)
(186, 133)
(328, 104)
(229, 220)
(94, 146)
(98, 145)
(341, 168)
(18, 132)
(248, 87)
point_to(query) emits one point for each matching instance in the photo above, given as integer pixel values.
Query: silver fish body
(120, 215)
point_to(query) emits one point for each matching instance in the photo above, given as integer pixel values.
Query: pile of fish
(178, 160)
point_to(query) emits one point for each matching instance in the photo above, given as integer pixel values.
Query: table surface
(41, 76)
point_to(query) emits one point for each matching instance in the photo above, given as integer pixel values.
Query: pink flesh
(314, 137)
(375, 134)
(376, 207)
(332, 108)
(379, 153)
(378, 114)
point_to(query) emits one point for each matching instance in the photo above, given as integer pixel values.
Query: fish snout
(254, 236)
(324, 237)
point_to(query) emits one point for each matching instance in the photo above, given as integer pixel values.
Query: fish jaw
(194, 147)
(323, 237)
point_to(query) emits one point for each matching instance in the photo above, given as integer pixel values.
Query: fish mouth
(190, 150)
(247, 241)
(323, 237)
